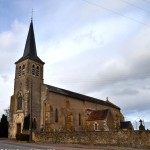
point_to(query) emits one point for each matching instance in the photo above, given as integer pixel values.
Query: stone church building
(53, 108)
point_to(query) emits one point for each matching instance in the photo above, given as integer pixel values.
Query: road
(14, 145)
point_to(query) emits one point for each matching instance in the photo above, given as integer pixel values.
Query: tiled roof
(80, 96)
(125, 124)
(98, 115)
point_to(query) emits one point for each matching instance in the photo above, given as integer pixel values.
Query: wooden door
(18, 128)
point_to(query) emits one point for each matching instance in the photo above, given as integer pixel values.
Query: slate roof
(98, 115)
(126, 125)
(30, 51)
(80, 96)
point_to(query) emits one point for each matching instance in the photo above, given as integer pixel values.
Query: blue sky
(94, 47)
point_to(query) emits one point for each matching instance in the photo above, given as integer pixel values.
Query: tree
(7, 113)
(4, 126)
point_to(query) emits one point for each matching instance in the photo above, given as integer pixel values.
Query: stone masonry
(135, 139)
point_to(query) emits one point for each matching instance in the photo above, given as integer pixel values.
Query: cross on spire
(32, 14)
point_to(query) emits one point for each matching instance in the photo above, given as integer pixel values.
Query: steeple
(30, 47)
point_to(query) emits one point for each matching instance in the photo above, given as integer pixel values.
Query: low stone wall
(137, 139)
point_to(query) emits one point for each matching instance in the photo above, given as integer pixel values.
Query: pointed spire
(30, 51)
(30, 47)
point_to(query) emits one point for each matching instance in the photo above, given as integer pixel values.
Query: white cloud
(86, 48)
(6, 91)
(11, 47)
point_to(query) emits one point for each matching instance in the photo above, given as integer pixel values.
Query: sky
(100, 48)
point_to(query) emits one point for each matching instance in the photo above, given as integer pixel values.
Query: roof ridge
(79, 96)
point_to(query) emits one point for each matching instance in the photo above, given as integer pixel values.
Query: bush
(4, 126)
(22, 137)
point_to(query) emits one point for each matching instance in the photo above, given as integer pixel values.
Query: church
(52, 108)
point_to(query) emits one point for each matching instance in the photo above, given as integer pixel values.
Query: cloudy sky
(100, 48)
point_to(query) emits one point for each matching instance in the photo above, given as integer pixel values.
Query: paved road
(14, 145)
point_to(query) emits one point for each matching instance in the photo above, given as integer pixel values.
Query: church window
(51, 109)
(51, 114)
(96, 126)
(41, 72)
(33, 69)
(19, 102)
(79, 119)
(47, 112)
(38, 71)
(23, 70)
(19, 73)
(56, 115)
(34, 124)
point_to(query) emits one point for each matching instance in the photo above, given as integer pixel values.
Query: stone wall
(138, 139)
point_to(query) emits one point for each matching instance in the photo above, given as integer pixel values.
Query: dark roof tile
(30, 47)
(98, 115)
(80, 96)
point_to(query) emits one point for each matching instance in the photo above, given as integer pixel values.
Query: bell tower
(27, 86)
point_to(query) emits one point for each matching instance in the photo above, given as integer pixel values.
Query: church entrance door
(18, 128)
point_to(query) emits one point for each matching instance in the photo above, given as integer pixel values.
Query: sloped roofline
(80, 96)
(30, 51)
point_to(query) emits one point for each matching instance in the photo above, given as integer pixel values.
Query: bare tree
(7, 113)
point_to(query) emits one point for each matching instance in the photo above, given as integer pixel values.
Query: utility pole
(30, 107)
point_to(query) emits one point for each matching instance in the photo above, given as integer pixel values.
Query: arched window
(19, 71)
(79, 119)
(38, 71)
(33, 69)
(56, 115)
(23, 70)
(51, 109)
(19, 102)
(51, 114)
(47, 113)
(96, 128)
(34, 124)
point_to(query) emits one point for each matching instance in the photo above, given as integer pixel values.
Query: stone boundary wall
(136, 139)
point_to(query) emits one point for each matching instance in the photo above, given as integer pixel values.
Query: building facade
(52, 108)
